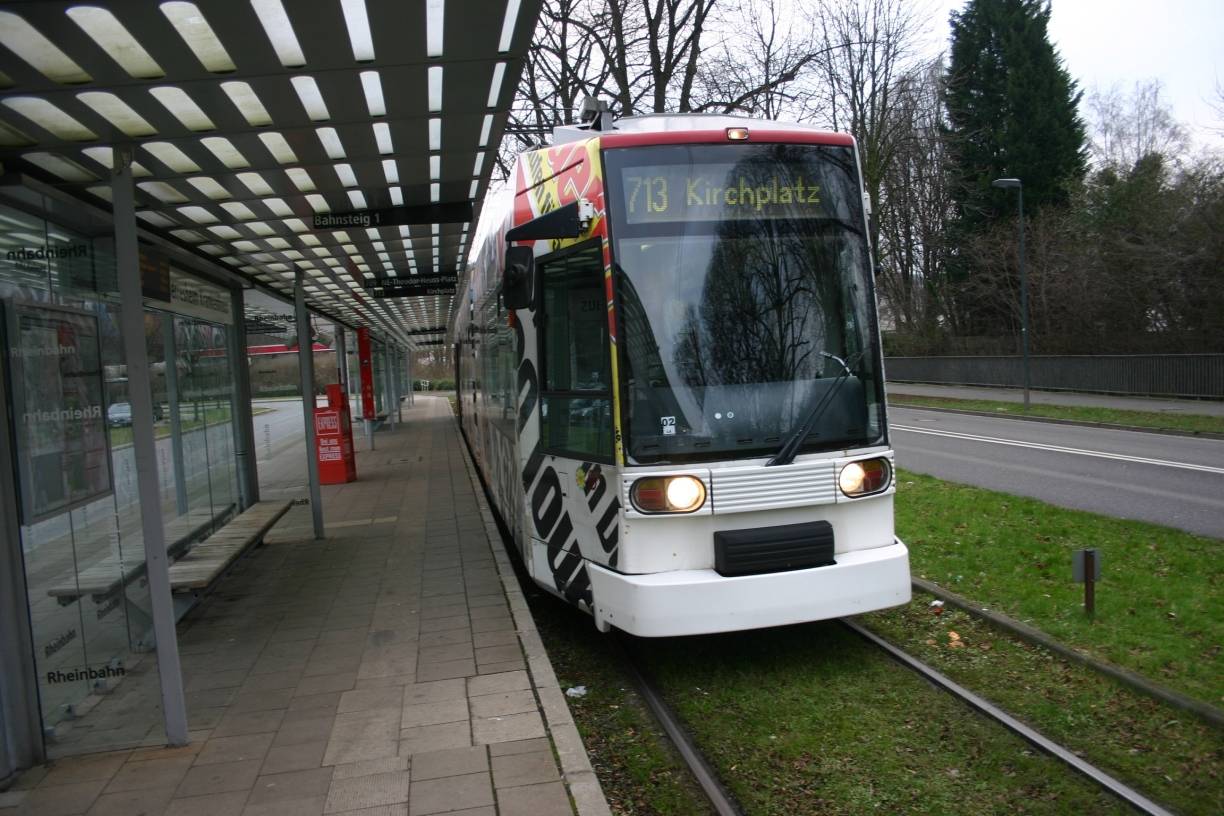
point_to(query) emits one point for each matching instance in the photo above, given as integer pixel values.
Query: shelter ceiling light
(57, 165)
(113, 37)
(43, 56)
(435, 167)
(225, 152)
(198, 215)
(301, 179)
(435, 134)
(371, 84)
(391, 171)
(382, 137)
(358, 23)
(183, 108)
(345, 173)
(278, 147)
(435, 12)
(105, 156)
(318, 203)
(486, 128)
(50, 118)
(162, 192)
(238, 211)
(255, 183)
(330, 140)
(12, 137)
(508, 24)
(435, 88)
(260, 228)
(499, 74)
(311, 98)
(247, 102)
(278, 207)
(209, 187)
(189, 21)
(277, 26)
(119, 113)
(172, 156)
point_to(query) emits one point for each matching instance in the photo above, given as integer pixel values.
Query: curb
(1053, 421)
(580, 778)
(1126, 677)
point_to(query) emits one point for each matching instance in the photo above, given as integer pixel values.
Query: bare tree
(1125, 127)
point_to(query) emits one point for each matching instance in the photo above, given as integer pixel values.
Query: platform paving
(391, 668)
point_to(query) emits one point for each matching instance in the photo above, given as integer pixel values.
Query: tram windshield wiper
(786, 453)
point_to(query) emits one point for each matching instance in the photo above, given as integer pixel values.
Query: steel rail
(723, 804)
(1042, 743)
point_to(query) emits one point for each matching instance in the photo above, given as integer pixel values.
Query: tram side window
(576, 400)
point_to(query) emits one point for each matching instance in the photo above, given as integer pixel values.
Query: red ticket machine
(334, 439)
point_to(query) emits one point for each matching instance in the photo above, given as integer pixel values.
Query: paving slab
(382, 670)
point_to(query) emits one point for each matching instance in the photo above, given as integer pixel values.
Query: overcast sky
(1103, 42)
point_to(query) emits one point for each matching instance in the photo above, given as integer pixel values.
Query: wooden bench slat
(210, 558)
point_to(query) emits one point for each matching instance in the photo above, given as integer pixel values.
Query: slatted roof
(250, 116)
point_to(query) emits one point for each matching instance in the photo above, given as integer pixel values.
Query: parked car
(119, 414)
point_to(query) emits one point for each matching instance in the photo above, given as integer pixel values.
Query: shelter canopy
(250, 117)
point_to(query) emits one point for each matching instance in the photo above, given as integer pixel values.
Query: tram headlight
(668, 494)
(865, 477)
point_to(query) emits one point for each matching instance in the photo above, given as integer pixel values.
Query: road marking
(994, 440)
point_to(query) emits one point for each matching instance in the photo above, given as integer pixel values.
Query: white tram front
(670, 375)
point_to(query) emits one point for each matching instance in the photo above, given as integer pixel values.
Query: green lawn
(1157, 420)
(1160, 610)
(161, 430)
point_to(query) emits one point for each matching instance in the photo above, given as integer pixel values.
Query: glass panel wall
(81, 541)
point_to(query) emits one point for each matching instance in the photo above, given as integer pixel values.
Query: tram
(669, 374)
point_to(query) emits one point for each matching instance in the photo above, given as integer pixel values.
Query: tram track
(724, 803)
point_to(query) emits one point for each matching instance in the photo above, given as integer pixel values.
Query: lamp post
(1008, 183)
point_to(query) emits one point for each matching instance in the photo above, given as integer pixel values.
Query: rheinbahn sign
(452, 212)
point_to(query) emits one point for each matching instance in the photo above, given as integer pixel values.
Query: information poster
(59, 409)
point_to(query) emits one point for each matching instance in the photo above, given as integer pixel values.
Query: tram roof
(248, 117)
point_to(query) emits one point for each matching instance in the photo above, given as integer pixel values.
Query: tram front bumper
(696, 602)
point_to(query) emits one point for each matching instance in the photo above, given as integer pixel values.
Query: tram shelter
(164, 165)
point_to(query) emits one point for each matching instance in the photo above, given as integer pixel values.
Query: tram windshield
(744, 289)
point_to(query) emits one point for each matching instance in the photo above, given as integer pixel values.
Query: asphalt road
(1175, 481)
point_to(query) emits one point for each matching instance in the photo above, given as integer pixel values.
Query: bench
(208, 560)
(105, 577)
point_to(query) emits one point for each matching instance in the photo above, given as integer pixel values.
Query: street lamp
(1008, 183)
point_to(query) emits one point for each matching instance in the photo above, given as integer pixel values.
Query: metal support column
(170, 346)
(389, 383)
(136, 356)
(21, 741)
(411, 382)
(306, 371)
(244, 418)
(342, 372)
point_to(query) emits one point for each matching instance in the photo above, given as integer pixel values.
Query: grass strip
(812, 720)
(213, 416)
(1165, 753)
(1152, 420)
(1159, 606)
(637, 766)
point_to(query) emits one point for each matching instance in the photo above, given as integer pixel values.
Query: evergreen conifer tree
(1012, 112)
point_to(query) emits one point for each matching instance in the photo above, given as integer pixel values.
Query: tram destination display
(722, 192)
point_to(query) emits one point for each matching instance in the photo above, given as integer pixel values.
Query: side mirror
(518, 282)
